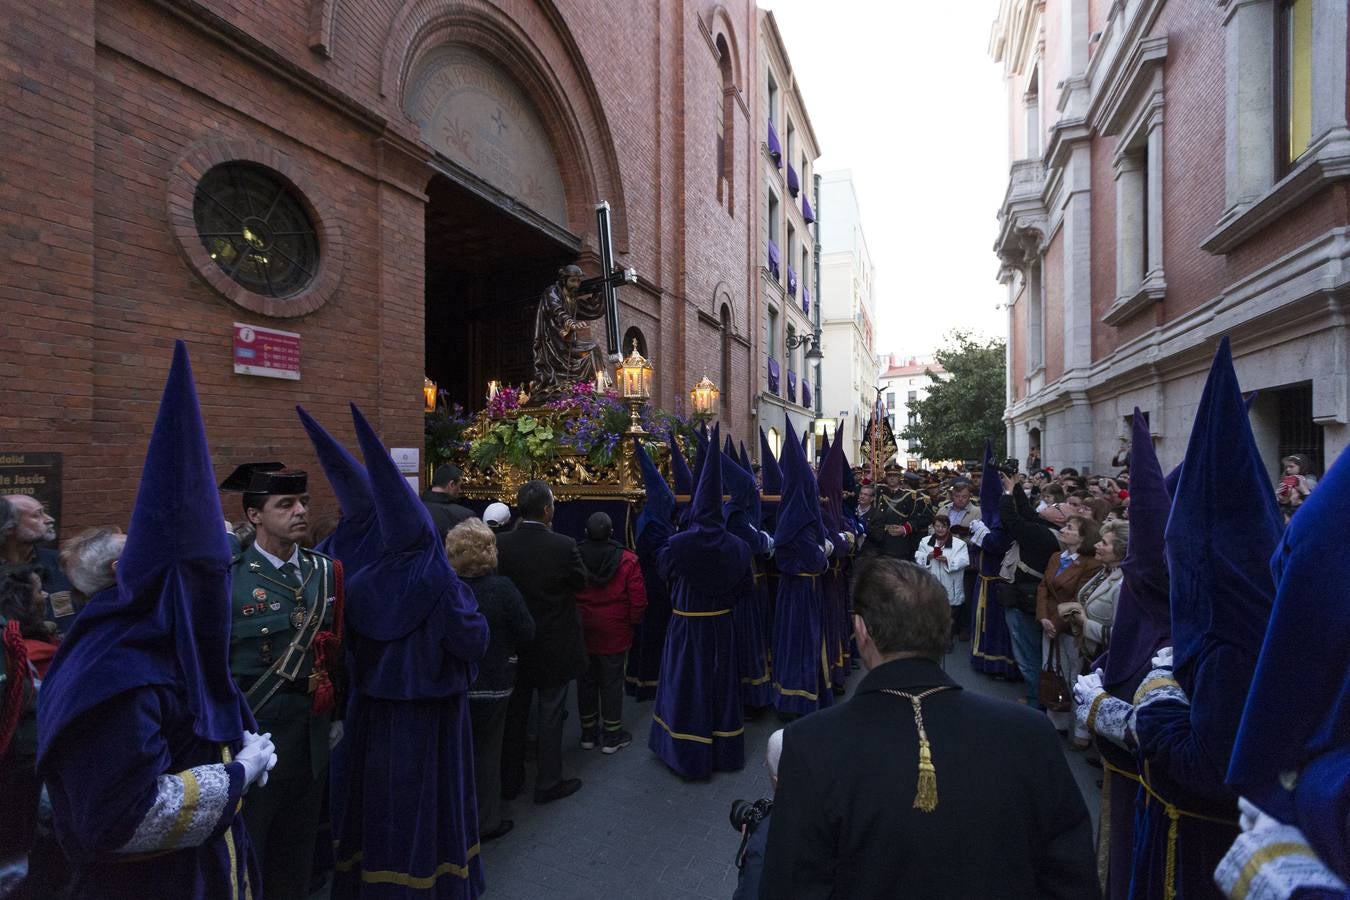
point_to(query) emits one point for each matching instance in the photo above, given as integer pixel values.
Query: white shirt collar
(277, 562)
(1069, 556)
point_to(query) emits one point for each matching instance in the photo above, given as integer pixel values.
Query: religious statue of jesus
(564, 352)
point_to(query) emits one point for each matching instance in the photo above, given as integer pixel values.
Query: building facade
(392, 185)
(903, 383)
(1178, 174)
(788, 288)
(847, 310)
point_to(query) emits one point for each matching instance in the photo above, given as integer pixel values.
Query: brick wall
(95, 285)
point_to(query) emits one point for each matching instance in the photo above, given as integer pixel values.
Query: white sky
(906, 96)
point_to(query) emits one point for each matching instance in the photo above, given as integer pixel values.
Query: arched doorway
(496, 222)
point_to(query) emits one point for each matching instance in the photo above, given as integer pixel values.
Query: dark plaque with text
(35, 474)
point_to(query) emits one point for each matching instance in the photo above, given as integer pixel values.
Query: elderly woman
(1090, 615)
(472, 549)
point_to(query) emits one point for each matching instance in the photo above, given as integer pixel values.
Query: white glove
(1163, 659)
(768, 543)
(335, 733)
(258, 756)
(828, 548)
(1087, 688)
(1291, 865)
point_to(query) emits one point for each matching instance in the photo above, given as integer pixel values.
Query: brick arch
(722, 297)
(720, 25)
(548, 66)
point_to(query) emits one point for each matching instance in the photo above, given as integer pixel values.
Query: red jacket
(610, 610)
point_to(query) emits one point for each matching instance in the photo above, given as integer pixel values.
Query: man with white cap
(497, 516)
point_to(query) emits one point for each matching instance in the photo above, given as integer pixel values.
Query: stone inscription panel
(474, 112)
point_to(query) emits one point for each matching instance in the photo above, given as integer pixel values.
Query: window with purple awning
(792, 386)
(792, 281)
(774, 260)
(806, 299)
(807, 211)
(806, 393)
(794, 183)
(775, 148)
(774, 374)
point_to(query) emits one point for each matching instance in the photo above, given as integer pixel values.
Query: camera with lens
(746, 816)
(1010, 467)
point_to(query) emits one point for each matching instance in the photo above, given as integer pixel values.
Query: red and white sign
(266, 352)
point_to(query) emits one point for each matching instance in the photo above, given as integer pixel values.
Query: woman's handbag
(1053, 691)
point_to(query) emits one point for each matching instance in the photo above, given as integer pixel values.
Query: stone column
(1129, 224)
(1249, 112)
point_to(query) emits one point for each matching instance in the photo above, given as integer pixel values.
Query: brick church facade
(406, 175)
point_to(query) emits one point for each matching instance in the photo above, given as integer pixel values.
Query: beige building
(847, 310)
(903, 383)
(787, 287)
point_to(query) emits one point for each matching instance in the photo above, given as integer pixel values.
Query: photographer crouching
(751, 819)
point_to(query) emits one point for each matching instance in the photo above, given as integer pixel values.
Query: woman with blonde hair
(472, 549)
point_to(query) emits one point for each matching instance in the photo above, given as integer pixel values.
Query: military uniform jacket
(903, 507)
(268, 611)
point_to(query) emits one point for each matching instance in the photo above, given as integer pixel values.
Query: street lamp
(704, 397)
(810, 342)
(429, 395)
(635, 379)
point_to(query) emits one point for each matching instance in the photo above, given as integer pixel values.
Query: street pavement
(635, 829)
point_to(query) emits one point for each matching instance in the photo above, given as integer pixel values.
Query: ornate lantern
(704, 397)
(635, 383)
(429, 395)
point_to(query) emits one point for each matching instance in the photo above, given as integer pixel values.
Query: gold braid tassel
(926, 796)
(926, 799)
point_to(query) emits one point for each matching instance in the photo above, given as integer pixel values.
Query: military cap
(272, 478)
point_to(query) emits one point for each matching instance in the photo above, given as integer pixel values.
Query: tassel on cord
(14, 658)
(328, 651)
(925, 796)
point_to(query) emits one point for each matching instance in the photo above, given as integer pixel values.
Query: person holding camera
(751, 819)
(1036, 540)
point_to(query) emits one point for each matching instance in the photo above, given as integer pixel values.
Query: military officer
(903, 516)
(282, 646)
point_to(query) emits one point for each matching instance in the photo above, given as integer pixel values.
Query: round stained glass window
(256, 229)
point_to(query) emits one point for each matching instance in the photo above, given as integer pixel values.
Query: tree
(964, 406)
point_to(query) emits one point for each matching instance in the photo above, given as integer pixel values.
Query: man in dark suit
(548, 571)
(439, 499)
(915, 788)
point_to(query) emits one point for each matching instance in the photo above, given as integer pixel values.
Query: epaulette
(318, 555)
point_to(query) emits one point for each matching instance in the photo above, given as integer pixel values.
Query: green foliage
(523, 442)
(964, 407)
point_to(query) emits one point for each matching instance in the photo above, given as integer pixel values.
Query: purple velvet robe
(103, 773)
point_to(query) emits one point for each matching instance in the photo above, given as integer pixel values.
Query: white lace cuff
(187, 809)
(1159, 684)
(1113, 721)
(1271, 864)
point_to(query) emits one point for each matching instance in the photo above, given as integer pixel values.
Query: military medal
(259, 593)
(247, 609)
(275, 605)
